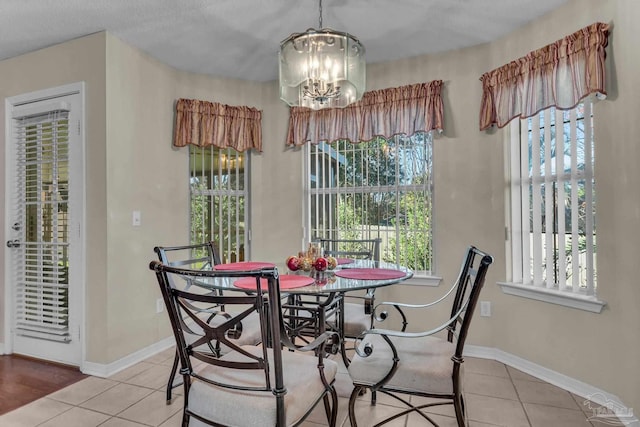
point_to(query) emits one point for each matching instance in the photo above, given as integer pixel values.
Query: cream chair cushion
(425, 364)
(355, 319)
(246, 408)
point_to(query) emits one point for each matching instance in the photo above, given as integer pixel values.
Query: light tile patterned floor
(497, 395)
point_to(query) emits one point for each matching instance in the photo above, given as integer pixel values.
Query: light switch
(485, 308)
(136, 219)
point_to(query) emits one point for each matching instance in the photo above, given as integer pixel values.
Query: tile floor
(497, 395)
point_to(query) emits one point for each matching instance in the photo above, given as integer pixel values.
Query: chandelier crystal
(321, 68)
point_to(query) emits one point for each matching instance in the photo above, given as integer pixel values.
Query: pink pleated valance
(387, 112)
(204, 123)
(560, 74)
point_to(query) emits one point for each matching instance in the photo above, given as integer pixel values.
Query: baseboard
(2, 348)
(572, 385)
(104, 371)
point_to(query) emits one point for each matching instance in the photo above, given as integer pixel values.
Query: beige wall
(599, 349)
(145, 173)
(132, 166)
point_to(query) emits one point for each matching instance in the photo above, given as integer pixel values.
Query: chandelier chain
(320, 9)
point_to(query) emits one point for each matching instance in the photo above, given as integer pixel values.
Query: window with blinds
(553, 201)
(376, 189)
(40, 207)
(219, 197)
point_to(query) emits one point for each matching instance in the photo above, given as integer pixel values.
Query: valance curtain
(204, 123)
(560, 74)
(387, 112)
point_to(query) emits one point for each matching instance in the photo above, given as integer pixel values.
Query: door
(44, 211)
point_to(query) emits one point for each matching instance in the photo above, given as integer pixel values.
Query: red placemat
(287, 281)
(244, 266)
(371, 273)
(342, 261)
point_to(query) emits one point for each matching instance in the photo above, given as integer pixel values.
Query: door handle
(13, 243)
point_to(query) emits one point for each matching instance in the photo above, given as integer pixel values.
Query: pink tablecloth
(342, 261)
(287, 281)
(370, 273)
(244, 266)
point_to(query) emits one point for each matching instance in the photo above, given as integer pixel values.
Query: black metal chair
(249, 385)
(419, 363)
(203, 256)
(351, 248)
(354, 312)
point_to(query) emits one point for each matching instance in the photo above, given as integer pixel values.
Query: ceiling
(240, 38)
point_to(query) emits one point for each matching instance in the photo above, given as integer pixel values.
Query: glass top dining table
(353, 276)
(312, 298)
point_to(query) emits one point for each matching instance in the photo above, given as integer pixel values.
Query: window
(553, 227)
(219, 199)
(377, 189)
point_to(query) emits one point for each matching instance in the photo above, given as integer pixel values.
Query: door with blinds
(44, 200)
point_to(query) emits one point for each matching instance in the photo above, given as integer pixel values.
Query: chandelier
(321, 68)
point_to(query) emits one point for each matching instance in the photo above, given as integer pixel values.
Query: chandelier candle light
(321, 68)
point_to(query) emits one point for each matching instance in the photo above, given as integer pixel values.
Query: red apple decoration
(320, 264)
(293, 263)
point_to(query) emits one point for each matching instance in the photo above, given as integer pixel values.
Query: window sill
(423, 281)
(580, 302)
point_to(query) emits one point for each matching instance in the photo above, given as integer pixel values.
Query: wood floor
(23, 380)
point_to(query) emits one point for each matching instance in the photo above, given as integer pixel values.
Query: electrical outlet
(159, 305)
(485, 308)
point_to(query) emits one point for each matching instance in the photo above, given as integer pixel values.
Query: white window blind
(40, 208)
(553, 213)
